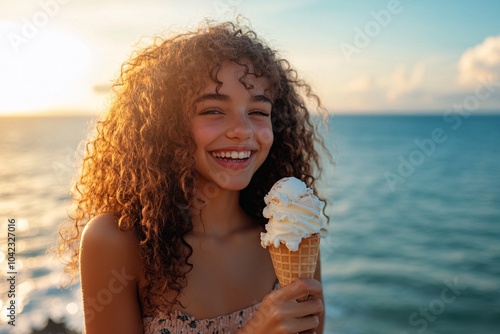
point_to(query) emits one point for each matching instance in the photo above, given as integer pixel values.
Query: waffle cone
(290, 266)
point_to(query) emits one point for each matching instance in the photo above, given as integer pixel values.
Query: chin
(235, 185)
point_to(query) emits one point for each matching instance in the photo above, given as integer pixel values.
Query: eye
(211, 111)
(260, 113)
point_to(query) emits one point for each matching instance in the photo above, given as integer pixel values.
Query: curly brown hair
(140, 166)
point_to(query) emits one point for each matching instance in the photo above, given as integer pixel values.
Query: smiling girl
(168, 204)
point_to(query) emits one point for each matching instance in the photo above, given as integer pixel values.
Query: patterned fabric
(178, 322)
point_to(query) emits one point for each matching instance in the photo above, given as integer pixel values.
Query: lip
(230, 163)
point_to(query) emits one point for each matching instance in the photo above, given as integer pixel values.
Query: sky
(395, 56)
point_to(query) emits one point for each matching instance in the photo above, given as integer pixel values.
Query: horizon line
(367, 112)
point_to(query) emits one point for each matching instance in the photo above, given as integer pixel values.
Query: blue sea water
(413, 244)
(415, 228)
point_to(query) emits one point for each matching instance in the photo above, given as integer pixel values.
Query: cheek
(265, 137)
(202, 134)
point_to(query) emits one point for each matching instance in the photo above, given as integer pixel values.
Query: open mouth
(232, 156)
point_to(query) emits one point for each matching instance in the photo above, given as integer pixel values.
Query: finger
(301, 288)
(306, 297)
(306, 324)
(309, 307)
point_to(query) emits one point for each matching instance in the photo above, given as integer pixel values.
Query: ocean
(413, 244)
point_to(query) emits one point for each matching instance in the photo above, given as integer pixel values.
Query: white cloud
(480, 62)
(401, 82)
(361, 84)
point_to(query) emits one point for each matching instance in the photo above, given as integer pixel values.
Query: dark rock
(53, 327)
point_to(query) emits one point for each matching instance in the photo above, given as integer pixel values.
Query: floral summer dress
(177, 322)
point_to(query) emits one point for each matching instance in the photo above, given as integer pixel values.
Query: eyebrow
(261, 98)
(225, 98)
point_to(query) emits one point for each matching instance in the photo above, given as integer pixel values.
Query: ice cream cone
(290, 265)
(293, 230)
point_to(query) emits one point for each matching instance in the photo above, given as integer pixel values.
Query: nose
(239, 127)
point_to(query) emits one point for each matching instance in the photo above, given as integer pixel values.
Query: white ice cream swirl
(294, 213)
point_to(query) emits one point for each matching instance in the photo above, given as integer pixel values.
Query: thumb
(304, 287)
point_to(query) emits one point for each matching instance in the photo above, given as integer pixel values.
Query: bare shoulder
(103, 242)
(104, 226)
(102, 232)
(110, 269)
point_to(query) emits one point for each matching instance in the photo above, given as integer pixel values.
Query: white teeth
(232, 154)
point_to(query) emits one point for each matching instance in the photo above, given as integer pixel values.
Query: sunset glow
(47, 73)
(378, 56)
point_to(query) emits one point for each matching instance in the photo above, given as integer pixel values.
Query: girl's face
(232, 128)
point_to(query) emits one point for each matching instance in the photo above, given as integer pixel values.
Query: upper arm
(109, 278)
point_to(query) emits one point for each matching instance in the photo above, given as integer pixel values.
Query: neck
(218, 212)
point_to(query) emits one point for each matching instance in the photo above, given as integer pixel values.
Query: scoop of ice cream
(294, 213)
